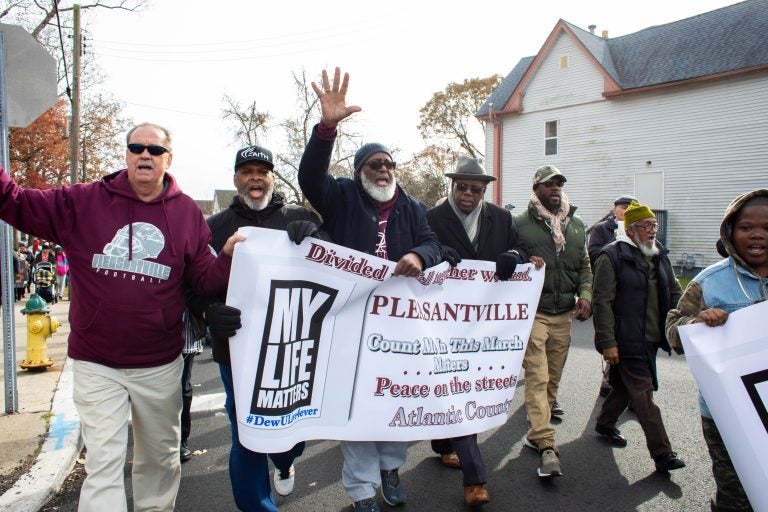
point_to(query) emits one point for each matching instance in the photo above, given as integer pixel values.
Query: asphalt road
(596, 476)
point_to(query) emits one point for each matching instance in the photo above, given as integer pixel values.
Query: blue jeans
(249, 471)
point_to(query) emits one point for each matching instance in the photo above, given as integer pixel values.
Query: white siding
(709, 139)
(552, 87)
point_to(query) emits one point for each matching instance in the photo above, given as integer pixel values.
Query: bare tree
(424, 175)
(37, 16)
(248, 121)
(450, 112)
(298, 130)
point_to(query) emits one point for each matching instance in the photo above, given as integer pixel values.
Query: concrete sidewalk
(46, 426)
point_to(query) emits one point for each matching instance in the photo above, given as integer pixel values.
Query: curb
(57, 456)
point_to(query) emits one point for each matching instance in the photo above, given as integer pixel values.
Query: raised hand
(333, 98)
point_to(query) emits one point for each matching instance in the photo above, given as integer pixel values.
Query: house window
(564, 62)
(550, 138)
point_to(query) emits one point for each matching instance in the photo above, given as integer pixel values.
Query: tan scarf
(556, 221)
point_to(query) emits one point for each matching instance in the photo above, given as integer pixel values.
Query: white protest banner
(730, 365)
(333, 347)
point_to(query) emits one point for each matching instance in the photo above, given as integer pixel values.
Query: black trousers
(634, 379)
(472, 464)
(186, 397)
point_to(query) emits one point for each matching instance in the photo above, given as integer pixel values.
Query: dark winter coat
(350, 216)
(601, 235)
(567, 274)
(276, 215)
(497, 234)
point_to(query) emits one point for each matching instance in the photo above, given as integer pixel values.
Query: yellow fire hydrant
(40, 325)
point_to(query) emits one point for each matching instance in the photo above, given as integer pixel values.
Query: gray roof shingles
(719, 41)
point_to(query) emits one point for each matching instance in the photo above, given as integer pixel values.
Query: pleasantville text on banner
(730, 365)
(334, 347)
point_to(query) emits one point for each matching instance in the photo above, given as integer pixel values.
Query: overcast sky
(172, 63)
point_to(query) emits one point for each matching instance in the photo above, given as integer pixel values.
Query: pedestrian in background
(195, 333)
(62, 269)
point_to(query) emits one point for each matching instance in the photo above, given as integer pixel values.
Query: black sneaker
(366, 505)
(556, 409)
(667, 462)
(391, 489)
(184, 453)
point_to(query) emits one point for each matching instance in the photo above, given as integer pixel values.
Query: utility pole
(74, 131)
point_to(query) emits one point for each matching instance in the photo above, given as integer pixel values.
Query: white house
(675, 114)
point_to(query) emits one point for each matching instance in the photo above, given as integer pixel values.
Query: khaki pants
(104, 398)
(543, 363)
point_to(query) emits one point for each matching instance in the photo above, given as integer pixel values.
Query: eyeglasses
(463, 187)
(378, 164)
(138, 149)
(648, 227)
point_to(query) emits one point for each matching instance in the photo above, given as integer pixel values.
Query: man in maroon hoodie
(135, 241)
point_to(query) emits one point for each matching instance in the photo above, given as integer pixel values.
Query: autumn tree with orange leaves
(39, 153)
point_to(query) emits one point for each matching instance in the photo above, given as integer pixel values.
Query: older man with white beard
(371, 214)
(634, 282)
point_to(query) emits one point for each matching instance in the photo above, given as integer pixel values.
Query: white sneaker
(284, 485)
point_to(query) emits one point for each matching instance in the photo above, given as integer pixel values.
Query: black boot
(184, 452)
(186, 426)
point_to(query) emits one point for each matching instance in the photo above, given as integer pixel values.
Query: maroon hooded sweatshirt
(129, 261)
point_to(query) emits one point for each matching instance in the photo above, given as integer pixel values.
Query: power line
(63, 54)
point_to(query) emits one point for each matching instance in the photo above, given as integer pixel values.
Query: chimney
(605, 34)
(592, 28)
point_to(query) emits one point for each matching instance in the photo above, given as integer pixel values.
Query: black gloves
(506, 263)
(451, 256)
(223, 320)
(298, 230)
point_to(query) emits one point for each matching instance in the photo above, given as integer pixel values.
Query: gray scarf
(470, 221)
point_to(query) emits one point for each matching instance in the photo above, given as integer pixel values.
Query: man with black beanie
(371, 214)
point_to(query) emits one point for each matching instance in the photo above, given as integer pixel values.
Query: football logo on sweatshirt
(129, 249)
(290, 346)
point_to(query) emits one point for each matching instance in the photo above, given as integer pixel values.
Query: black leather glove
(223, 320)
(506, 263)
(298, 230)
(451, 256)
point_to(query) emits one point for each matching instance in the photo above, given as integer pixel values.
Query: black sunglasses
(463, 187)
(377, 164)
(138, 149)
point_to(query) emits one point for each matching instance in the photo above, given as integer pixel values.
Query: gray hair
(167, 140)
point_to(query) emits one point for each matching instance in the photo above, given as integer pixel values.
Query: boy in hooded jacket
(736, 282)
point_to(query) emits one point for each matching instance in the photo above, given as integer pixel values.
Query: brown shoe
(476, 495)
(451, 460)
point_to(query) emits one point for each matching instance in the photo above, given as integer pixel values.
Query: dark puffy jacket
(630, 302)
(568, 273)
